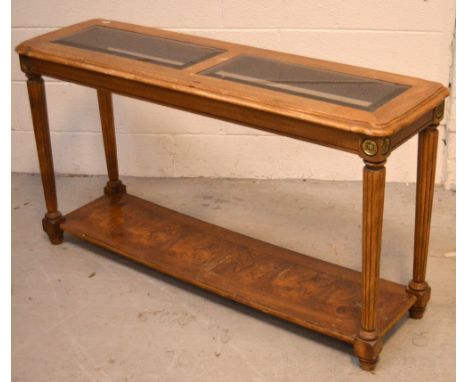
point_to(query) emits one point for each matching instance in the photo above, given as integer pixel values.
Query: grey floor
(80, 313)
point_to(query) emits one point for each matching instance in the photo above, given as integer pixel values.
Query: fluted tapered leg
(37, 98)
(114, 185)
(427, 155)
(368, 345)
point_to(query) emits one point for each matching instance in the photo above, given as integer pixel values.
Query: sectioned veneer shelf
(366, 112)
(310, 292)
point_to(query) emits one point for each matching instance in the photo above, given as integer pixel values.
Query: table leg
(37, 98)
(114, 185)
(427, 155)
(368, 344)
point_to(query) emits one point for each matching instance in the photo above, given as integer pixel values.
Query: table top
(324, 93)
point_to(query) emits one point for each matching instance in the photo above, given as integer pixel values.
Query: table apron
(224, 110)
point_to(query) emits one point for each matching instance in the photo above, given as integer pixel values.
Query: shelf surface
(309, 292)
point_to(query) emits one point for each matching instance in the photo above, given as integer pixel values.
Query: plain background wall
(412, 37)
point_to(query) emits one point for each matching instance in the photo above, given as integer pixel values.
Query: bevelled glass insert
(138, 46)
(325, 85)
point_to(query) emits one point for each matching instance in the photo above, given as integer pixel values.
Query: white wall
(412, 37)
(450, 178)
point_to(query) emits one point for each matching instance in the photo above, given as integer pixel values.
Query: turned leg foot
(114, 187)
(422, 291)
(367, 350)
(51, 225)
(368, 365)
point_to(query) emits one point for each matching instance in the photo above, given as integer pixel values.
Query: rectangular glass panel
(138, 46)
(339, 88)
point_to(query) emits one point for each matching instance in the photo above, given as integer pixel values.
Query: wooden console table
(362, 111)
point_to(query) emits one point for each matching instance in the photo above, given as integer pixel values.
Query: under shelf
(309, 292)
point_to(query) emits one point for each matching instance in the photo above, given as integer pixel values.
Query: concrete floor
(81, 313)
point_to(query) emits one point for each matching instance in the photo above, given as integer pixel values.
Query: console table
(365, 112)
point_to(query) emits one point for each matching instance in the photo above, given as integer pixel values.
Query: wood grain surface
(295, 287)
(387, 120)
